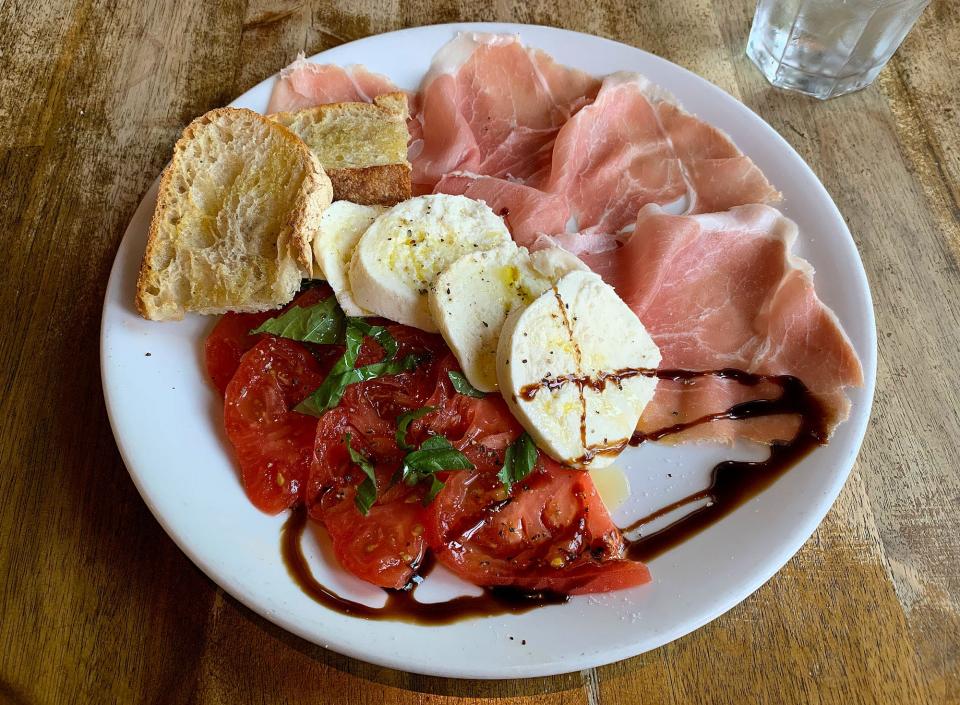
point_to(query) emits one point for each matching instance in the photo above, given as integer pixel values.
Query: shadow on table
(411, 681)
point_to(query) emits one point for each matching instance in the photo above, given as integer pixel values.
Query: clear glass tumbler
(826, 48)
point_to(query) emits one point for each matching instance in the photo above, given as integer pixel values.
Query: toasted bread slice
(238, 206)
(362, 147)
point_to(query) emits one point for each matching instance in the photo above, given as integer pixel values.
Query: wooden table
(98, 605)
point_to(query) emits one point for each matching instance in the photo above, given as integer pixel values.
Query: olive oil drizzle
(578, 361)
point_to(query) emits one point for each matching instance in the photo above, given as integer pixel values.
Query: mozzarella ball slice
(403, 251)
(555, 262)
(567, 366)
(470, 300)
(340, 229)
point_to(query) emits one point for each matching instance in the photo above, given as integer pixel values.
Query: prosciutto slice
(724, 290)
(304, 85)
(528, 212)
(567, 160)
(493, 107)
(633, 146)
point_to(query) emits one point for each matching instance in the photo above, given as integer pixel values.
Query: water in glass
(826, 48)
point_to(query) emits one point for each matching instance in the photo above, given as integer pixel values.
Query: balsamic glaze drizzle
(401, 605)
(733, 482)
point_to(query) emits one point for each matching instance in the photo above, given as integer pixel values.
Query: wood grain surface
(98, 605)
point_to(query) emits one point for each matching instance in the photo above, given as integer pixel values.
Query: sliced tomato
(231, 338)
(386, 545)
(227, 343)
(391, 395)
(273, 443)
(552, 532)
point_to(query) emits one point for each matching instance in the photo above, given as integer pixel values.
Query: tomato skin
(231, 338)
(273, 443)
(227, 343)
(552, 532)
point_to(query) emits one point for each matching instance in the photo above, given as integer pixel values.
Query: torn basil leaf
(322, 323)
(463, 386)
(378, 333)
(344, 372)
(366, 493)
(436, 454)
(329, 394)
(404, 421)
(518, 461)
(435, 487)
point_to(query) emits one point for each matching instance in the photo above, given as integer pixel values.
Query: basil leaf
(331, 390)
(435, 487)
(353, 339)
(462, 385)
(329, 394)
(381, 369)
(518, 461)
(404, 421)
(436, 443)
(436, 454)
(344, 373)
(366, 493)
(378, 333)
(321, 323)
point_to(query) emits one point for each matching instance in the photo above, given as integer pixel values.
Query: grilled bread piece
(238, 207)
(362, 147)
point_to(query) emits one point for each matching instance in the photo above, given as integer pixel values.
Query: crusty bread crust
(384, 185)
(314, 197)
(314, 194)
(395, 103)
(373, 177)
(145, 306)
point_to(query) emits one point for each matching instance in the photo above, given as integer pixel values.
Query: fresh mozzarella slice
(471, 298)
(564, 364)
(341, 226)
(555, 262)
(400, 255)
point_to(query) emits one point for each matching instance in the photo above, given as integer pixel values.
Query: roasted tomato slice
(273, 443)
(551, 533)
(231, 338)
(386, 545)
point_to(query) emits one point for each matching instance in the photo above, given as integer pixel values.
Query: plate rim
(547, 667)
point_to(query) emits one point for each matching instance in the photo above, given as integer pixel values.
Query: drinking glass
(826, 48)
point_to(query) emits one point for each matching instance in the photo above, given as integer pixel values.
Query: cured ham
(724, 290)
(570, 161)
(717, 174)
(527, 211)
(304, 84)
(633, 146)
(491, 106)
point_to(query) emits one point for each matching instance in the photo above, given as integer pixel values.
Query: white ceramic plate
(168, 424)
